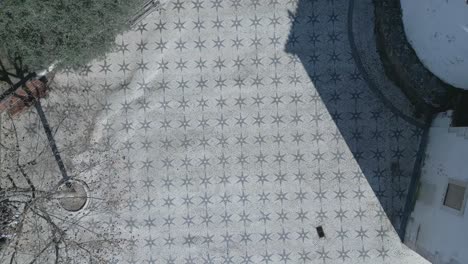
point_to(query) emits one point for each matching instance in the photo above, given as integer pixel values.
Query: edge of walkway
(371, 67)
(390, 101)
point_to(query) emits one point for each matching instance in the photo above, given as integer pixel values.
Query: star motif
(141, 27)
(122, 47)
(161, 45)
(218, 43)
(236, 23)
(383, 253)
(160, 26)
(216, 4)
(178, 5)
(323, 254)
(179, 25)
(343, 254)
(363, 253)
(105, 67)
(180, 45)
(218, 24)
(201, 64)
(256, 41)
(198, 24)
(197, 4)
(304, 256)
(200, 44)
(255, 22)
(169, 201)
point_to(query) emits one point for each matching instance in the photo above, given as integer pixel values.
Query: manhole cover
(72, 195)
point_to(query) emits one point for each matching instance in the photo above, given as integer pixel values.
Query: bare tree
(34, 226)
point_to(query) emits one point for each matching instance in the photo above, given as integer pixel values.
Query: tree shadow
(384, 143)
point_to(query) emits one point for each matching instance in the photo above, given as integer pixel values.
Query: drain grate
(72, 195)
(320, 232)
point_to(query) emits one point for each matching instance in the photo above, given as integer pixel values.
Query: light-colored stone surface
(226, 132)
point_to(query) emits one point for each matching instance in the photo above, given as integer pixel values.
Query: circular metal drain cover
(72, 195)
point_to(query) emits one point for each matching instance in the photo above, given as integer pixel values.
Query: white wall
(443, 234)
(438, 32)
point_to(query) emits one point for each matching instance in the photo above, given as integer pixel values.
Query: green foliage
(72, 32)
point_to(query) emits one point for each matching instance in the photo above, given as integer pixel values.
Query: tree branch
(20, 167)
(5, 73)
(54, 239)
(18, 65)
(19, 230)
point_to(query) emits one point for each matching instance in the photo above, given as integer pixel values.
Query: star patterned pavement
(236, 128)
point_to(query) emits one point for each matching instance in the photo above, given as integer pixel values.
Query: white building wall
(435, 231)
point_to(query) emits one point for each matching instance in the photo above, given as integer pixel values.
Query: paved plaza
(226, 131)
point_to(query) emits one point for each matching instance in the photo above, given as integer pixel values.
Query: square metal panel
(454, 196)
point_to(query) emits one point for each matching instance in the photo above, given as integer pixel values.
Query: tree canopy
(70, 32)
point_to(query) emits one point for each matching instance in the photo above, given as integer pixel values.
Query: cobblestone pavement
(227, 131)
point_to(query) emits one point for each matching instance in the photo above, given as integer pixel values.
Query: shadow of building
(384, 143)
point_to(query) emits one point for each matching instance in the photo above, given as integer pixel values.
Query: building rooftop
(438, 32)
